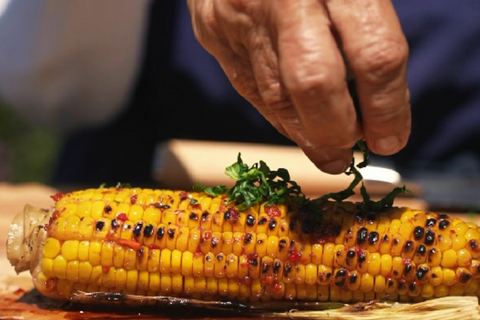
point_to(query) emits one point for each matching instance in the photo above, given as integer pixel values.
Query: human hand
(288, 58)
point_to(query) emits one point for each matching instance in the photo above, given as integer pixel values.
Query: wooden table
(18, 299)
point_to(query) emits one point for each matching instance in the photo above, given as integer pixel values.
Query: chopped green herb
(123, 185)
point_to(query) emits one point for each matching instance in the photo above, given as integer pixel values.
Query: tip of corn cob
(22, 233)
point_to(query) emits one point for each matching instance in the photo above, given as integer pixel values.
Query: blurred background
(91, 91)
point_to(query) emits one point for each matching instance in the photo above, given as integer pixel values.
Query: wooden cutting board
(18, 299)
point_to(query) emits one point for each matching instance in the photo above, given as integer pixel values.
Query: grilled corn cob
(175, 243)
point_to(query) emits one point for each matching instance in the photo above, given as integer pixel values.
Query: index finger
(377, 53)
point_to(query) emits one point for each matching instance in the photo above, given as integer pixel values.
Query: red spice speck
(268, 280)
(57, 196)
(106, 269)
(277, 287)
(153, 246)
(133, 198)
(130, 243)
(273, 211)
(19, 291)
(52, 219)
(294, 256)
(234, 214)
(122, 217)
(252, 256)
(198, 254)
(248, 281)
(406, 261)
(183, 195)
(207, 235)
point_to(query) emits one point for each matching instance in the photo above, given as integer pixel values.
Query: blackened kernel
(401, 284)
(107, 209)
(214, 242)
(407, 269)
(161, 206)
(141, 252)
(434, 276)
(371, 217)
(386, 238)
(276, 266)
(193, 216)
(351, 254)
(443, 224)
(137, 229)
(262, 221)
(220, 257)
(362, 256)
(464, 277)
(362, 235)
(307, 226)
(413, 286)
(341, 273)
(99, 225)
(250, 220)
(429, 237)
(421, 250)
(473, 244)
(171, 233)
(422, 272)
(418, 233)
(204, 216)
(160, 232)
(328, 275)
(340, 283)
(396, 241)
(208, 258)
(408, 246)
(286, 270)
(254, 262)
(442, 216)
(227, 215)
(265, 267)
(282, 244)
(390, 283)
(272, 224)
(353, 278)
(248, 238)
(395, 273)
(291, 226)
(259, 241)
(373, 237)
(359, 217)
(115, 224)
(430, 222)
(148, 231)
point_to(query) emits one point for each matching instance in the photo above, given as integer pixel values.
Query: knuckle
(382, 60)
(301, 83)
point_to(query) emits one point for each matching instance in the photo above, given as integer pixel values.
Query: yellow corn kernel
(464, 258)
(340, 256)
(84, 271)
(232, 266)
(108, 279)
(132, 279)
(374, 264)
(182, 240)
(176, 263)
(261, 244)
(367, 282)
(449, 277)
(434, 257)
(300, 273)
(51, 248)
(72, 270)
(211, 286)
(328, 254)
(94, 253)
(60, 267)
(153, 260)
(325, 273)
(311, 274)
(166, 283)
(143, 280)
(47, 267)
(97, 210)
(323, 293)
(187, 263)
(209, 262)
(380, 284)
(151, 215)
(120, 278)
(449, 259)
(223, 286)
(227, 242)
(130, 259)
(107, 253)
(272, 246)
(197, 265)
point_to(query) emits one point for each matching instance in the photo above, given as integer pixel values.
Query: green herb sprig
(258, 183)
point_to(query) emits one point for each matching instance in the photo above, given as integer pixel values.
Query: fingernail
(337, 166)
(388, 145)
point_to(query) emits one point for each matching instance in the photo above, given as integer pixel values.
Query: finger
(313, 72)
(377, 53)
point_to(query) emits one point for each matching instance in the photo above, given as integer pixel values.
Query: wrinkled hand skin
(288, 58)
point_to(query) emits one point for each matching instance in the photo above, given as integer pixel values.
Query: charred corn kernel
(272, 246)
(172, 235)
(325, 274)
(261, 244)
(434, 257)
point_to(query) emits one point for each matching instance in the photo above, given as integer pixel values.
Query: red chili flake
(234, 214)
(252, 256)
(452, 231)
(406, 261)
(248, 281)
(106, 269)
(50, 284)
(207, 235)
(199, 249)
(133, 198)
(268, 280)
(19, 291)
(122, 217)
(294, 254)
(277, 287)
(52, 219)
(197, 254)
(57, 196)
(153, 246)
(130, 243)
(273, 211)
(106, 192)
(183, 195)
